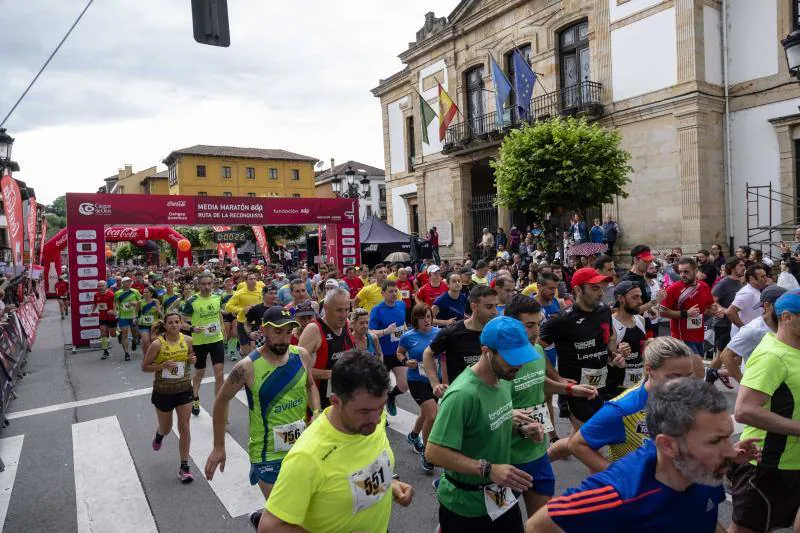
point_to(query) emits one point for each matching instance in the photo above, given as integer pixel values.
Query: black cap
(279, 317)
(624, 287)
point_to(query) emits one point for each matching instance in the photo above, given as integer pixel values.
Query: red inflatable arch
(51, 254)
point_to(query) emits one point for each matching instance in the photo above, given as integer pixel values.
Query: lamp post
(348, 187)
(791, 45)
(6, 143)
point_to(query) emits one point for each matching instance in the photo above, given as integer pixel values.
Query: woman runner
(229, 321)
(149, 312)
(359, 327)
(169, 357)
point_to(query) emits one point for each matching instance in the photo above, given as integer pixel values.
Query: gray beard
(690, 469)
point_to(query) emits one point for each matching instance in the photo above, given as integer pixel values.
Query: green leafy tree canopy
(566, 163)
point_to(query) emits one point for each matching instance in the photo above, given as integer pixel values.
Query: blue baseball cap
(790, 301)
(507, 336)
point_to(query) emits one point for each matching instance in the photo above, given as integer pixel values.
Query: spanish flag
(447, 112)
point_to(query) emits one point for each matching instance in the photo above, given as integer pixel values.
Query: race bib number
(633, 376)
(286, 435)
(371, 483)
(102, 307)
(129, 306)
(498, 500)
(541, 415)
(421, 369)
(405, 295)
(146, 320)
(694, 322)
(174, 373)
(210, 329)
(596, 377)
(398, 333)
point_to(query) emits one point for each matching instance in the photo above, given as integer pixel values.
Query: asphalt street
(79, 457)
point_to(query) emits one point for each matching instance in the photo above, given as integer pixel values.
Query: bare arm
(429, 363)
(591, 458)
(241, 374)
(376, 343)
(270, 523)
(310, 341)
(729, 359)
(311, 387)
(150, 356)
(541, 523)
(450, 459)
(733, 315)
(750, 410)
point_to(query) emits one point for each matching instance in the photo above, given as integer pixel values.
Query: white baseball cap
(433, 268)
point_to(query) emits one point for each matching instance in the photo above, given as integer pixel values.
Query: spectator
(487, 244)
(577, 230)
(516, 238)
(611, 233)
(433, 237)
(596, 234)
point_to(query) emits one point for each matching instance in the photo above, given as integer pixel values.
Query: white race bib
(405, 295)
(146, 320)
(596, 377)
(286, 435)
(541, 415)
(371, 483)
(129, 306)
(102, 307)
(398, 333)
(633, 376)
(498, 500)
(421, 369)
(210, 329)
(694, 322)
(174, 373)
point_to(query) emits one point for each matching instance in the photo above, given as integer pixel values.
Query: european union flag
(524, 80)
(502, 89)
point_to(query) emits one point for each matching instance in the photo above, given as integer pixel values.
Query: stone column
(600, 26)
(691, 56)
(462, 221)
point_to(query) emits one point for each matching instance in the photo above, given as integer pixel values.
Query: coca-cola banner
(41, 244)
(12, 202)
(32, 230)
(261, 240)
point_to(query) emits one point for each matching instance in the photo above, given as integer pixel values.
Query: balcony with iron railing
(583, 99)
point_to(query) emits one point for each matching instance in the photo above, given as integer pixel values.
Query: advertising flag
(261, 240)
(41, 245)
(502, 90)
(447, 112)
(12, 201)
(31, 230)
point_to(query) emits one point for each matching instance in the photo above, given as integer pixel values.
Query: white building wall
(752, 39)
(432, 97)
(644, 55)
(397, 142)
(399, 207)
(755, 160)
(712, 37)
(619, 11)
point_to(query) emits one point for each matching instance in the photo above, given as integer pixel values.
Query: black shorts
(391, 361)
(421, 391)
(508, 522)
(752, 487)
(244, 337)
(583, 409)
(168, 402)
(228, 317)
(722, 336)
(62, 297)
(109, 323)
(216, 350)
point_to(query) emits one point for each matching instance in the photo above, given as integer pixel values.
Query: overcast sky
(130, 84)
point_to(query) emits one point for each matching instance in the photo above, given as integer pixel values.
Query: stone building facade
(699, 90)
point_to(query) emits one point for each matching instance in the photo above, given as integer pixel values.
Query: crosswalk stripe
(232, 487)
(108, 493)
(10, 450)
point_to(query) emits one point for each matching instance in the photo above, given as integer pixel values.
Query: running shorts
(266, 472)
(722, 336)
(581, 408)
(391, 361)
(127, 323)
(759, 492)
(544, 480)
(168, 402)
(421, 391)
(109, 323)
(228, 317)
(215, 349)
(244, 337)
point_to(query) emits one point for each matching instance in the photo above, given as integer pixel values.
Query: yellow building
(229, 171)
(156, 183)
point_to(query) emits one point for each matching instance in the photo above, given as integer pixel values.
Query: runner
(371, 295)
(170, 300)
(149, 313)
(620, 423)
(387, 320)
(450, 306)
(672, 483)
(586, 344)
(304, 314)
(104, 307)
(62, 291)
(344, 460)
(406, 289)
(434, 288)
(299, 293)
(169, 357)
(506, 288)
(744, 307)
(363, 339)
(354, 283)
(631, 332)
(241, 302)
(255, 315)
(279, 390)
(471, 437)
(410, 349)
(327, 339)
(461, 341)
(547, 298)
(229, 334)
(126, 301)
(202, 311)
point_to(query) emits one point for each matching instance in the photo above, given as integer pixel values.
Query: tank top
(331, 348)
(175, 380)
(370, 344)
(148, 314)
(277, 402)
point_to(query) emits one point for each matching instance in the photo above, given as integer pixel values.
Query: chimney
(333, 164)
(120, 174)
(128, 170)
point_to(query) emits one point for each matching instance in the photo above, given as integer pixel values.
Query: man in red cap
(641, 257)
(586, 345)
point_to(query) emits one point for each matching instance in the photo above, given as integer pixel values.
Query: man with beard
(339, 474)
(672, 483)
(471, 437)
(279, 389)
(766, 494)
(631, 333)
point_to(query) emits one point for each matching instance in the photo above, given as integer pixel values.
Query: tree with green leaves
(126, 251)
(58, 207)
(564, 163)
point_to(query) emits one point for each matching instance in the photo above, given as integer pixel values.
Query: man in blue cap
(471, 437)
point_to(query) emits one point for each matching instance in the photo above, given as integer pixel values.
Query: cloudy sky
(130, 84)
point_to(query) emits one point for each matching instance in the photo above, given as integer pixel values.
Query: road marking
(89, 401)
(10, 450)
(232, 487)
(108, 494)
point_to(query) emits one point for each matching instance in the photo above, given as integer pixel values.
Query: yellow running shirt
(334, 482)
(241, 300)
(369, 296)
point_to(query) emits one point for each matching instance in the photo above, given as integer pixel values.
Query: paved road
(79, 456)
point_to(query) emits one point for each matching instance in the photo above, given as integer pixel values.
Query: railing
(772, 217)
(584, 97)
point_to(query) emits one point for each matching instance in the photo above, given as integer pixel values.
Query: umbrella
(586, 248)
(213, 260)
(398, 257)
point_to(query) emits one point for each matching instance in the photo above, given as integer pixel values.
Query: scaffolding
(771, 218)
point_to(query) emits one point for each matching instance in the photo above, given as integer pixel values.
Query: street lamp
(6, 143)
(348, 188)
(791, 45)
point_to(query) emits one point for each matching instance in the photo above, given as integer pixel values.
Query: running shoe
(255, 517)
(127, 356)
(426, 466)
(185, 475)
(133, 344)
(196, 407)
(233, 356)
(416, 442)
(157, 441)
(105, 355)
(391, 407)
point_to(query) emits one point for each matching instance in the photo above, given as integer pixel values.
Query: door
(575, 61)
(476, 105)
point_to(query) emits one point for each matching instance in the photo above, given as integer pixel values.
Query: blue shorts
(696, 347)
(552, 355)
(544, 480)
(126, 323)
(267, 472)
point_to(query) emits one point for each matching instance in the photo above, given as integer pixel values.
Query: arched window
(476, 99)
(574, 59)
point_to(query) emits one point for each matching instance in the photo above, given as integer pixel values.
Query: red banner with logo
(12, 202)
(261, 240)
(32, 229)
(41, 245)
